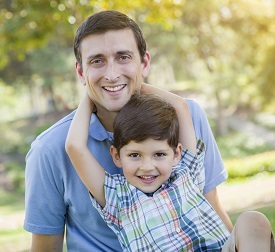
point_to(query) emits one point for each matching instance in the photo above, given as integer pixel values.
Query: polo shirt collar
(97, 131)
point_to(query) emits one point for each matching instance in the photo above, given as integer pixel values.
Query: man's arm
(213, 199)
(46, 243)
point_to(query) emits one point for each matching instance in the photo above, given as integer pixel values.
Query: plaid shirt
(176, 217)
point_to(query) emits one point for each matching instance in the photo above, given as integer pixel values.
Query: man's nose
(112, 73)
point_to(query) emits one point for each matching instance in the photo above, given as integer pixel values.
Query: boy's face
(148, 164)
(112, 68)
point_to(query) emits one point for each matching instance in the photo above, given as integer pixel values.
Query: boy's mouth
(148, 179)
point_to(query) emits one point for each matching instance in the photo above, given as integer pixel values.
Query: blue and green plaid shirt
(176, 217)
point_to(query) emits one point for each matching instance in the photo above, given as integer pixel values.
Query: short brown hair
(146, 116)
(104, 21)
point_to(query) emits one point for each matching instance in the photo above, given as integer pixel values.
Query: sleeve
(195, 164)
(215, 172)
(45, 209)
(109, 213)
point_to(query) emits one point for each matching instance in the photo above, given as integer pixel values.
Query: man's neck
(106, 118)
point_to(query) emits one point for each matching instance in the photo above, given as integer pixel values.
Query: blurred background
(221, 53)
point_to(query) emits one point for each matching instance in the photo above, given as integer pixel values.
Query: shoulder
(196, 110)
(57, 130)
(49, 145)
(199, 118)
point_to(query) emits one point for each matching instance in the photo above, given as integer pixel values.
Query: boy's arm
(89, 170)
(213, 198)
(186, 130)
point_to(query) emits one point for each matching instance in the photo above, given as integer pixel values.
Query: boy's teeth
(146, 177)
(114, 89)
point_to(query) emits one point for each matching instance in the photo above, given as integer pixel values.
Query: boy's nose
(147, 165)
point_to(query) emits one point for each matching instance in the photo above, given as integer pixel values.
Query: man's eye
(124, 58)
(96, 61)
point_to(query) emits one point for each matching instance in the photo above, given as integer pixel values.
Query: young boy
(157, 205)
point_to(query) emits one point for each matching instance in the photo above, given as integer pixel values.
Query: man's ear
(177, 154)
(146, 65)
(79, 72)
(115, 156)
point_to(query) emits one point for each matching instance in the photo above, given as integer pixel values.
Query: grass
(12, 235)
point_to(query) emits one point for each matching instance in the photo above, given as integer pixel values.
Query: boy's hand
(87, 96)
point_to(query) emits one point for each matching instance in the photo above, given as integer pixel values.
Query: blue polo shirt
(56, 198)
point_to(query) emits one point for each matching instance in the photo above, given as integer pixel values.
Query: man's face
(112, 68)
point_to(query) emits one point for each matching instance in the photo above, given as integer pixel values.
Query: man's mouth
(114, 88)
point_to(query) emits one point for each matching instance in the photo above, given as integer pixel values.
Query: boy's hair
(146, 116)
(104, 21)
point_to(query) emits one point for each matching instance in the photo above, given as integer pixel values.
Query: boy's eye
(160, 154)
(134, 155)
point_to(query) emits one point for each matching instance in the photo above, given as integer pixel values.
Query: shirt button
(167, 201)
(177, 229)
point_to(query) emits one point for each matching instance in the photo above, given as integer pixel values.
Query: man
(113, 61)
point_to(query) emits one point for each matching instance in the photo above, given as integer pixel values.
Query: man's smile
(114, 88)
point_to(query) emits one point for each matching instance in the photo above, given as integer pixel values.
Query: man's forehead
(114, 37)
(110, 42)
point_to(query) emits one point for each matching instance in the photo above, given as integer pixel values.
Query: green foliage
(267, 120)
(225, 47)
(249, 166)
(38, 22)
(237, 145)
(16, 175)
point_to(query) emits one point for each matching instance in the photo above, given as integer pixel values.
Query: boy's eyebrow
(134, 150)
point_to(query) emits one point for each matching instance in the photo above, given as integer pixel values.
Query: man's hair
(104, 21)
(146, 116)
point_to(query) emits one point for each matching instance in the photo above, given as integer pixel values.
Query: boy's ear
(177, 154)
(115, 156)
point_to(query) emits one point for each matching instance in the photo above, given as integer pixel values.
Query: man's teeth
(114, 89)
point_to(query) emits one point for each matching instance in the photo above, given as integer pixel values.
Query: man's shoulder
(58, 129)
(196, 111)
(192, 103)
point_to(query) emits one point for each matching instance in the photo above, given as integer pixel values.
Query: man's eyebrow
(95, 56)
(124, 52)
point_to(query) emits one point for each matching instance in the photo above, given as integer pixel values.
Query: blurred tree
(27, 25)
(34, 34)
(224, 48)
